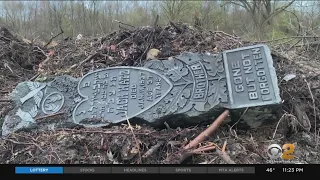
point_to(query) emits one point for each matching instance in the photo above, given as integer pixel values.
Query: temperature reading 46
(270, 169)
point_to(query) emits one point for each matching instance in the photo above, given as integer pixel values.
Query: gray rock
(34, 100)
(184, 90)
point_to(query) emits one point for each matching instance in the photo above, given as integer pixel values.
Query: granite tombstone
(188, 89)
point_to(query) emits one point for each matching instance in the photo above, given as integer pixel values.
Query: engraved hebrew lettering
(127, 99)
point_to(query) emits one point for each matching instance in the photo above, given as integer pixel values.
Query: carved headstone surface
(191, 87)
(251, 78)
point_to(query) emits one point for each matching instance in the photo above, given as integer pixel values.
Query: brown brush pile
(21, 61)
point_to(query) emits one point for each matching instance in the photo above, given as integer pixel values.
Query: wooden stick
(124, 23)
(61, 32)
(206, 133)
(82, 62)
(152, 150)
(34, 77)
(314, 112)
(50, 115)
(156, 21)
(224, 146)
(225, 157)
(187, 153)
(135, 139)
(204, 149)
(175, 26)
(5, 100)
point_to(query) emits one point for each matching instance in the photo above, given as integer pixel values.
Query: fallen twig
(302, 116)
(156, 21)
(199, 150)
(123, 28)
(245, 111)
(187, 153)
(51, 115)
(61, 31)
(5, 100)
(150, 36)
(225, 157)
(125, 40)
(314, 112)
(15, 142)
(124, 23)
(283, 38)
(84, 61)
(206, 133)
(186, 150)
(275, 131)
(43, 63)
(6, 65)
(224, 146)
(135, 139)
(221, 32)
(152, 150)
(167, 125)
(34, 77)
(101, 132)
(5, 39)
(40, 50)
(175, 26)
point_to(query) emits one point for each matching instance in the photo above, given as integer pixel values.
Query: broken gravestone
(184, 90)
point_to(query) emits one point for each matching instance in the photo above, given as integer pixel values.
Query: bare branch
(61, 31)
(279, 10)
(232, 2)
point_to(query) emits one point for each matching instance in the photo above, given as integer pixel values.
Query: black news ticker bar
(152, 169)
(133, 170)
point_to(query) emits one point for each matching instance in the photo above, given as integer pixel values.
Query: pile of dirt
(17, 59)
(130, 48)
(140, 144)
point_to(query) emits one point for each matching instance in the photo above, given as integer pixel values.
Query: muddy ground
(21, 60)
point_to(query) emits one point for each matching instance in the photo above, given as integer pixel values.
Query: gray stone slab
(189, 84)
(186, 89)
(119, 93)
(251, 77)
(34, 100)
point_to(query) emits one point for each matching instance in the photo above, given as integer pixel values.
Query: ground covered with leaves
(298, 76)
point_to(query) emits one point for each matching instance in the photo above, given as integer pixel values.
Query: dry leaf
(152, 54)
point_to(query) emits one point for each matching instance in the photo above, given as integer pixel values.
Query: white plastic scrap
(288, 77)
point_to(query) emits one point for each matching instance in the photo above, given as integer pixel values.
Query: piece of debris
(288, 77)
(302, 117)
(152, 54)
